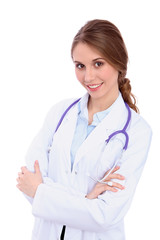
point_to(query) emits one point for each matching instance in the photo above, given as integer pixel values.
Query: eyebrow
(92, 60)
(98, 59)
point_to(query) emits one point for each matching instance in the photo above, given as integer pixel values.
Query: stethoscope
(123, 131)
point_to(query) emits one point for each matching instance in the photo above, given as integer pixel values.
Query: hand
(99, 188)
(28, 182)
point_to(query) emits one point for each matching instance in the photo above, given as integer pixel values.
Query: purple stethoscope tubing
(123, 131)
(64, 114)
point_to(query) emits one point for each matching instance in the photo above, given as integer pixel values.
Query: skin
(91, 70)
(28, 182)
(101, 187)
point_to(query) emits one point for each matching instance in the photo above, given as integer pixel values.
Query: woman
(96, 133)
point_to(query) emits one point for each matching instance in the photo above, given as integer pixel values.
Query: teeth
(95, 86)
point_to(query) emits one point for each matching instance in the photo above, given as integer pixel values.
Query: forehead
(84, 52)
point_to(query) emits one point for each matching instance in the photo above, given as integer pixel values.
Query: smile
(94, 87)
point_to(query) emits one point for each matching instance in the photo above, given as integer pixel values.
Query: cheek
(110, 76)
(79, 75)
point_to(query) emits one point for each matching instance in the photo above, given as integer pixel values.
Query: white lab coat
(60, 199)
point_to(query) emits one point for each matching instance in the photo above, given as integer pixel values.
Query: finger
(24, 169)
(20, 174)
(19, 187)
(115, 176)
(36, 166)
(18, 180)
(115, 169)
(108, 188)
(117, 185)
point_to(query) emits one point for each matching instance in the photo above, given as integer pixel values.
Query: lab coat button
(75, 172)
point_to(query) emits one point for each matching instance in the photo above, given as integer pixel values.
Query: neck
(98, 105)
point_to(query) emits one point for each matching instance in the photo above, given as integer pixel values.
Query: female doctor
(84, 165)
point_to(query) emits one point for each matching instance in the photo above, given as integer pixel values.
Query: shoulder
(139, 121)
(62, 105)
(139, 127)
(57, 110)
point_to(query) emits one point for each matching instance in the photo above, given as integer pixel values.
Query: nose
(89, 75)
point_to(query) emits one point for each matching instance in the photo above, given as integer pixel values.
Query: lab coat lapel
(115, 120)
(65, 134)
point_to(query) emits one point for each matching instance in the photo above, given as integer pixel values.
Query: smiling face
(98, 77)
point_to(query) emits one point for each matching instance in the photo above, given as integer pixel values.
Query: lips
(94, 87)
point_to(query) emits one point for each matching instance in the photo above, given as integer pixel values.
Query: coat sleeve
(60, 204)
(38, 149)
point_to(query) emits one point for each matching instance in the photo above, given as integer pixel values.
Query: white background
(36, 72)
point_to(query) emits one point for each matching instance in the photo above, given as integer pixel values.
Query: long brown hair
(107, 39)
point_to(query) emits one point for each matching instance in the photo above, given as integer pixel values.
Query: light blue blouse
(82, 128)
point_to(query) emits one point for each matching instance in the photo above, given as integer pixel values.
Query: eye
(79, 66)
(98, 64)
